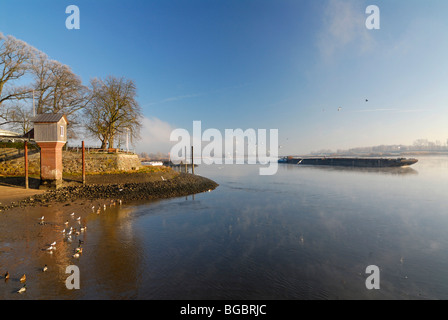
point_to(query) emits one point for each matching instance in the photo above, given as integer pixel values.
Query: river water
(305, 233)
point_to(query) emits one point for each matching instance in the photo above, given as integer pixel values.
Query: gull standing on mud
(23, 289)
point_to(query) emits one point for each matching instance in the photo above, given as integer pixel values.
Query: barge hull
(353, 162)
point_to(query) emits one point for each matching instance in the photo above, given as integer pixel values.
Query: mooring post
(83, 164)
(192, 161)
(186, 165)
(26, 165)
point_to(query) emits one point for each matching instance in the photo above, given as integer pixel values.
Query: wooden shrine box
(50, 133)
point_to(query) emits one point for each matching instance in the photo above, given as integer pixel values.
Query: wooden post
(83, 164)
(186, 165)
(26, 165)
(192, 161)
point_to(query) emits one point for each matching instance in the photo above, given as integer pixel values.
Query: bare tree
(41, 70)
(14, 57)
(20, 118)
(58, 89)
(113, 110)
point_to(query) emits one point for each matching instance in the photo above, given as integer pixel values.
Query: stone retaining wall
(72, 162)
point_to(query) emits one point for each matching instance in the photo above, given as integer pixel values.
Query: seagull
(78, 219)
(6, 275)
(72, 214)
(23, 289)
(339, 109)
(45, 268)
(163, 178)
(53, 244)
(93, 208)
(63, 231)
(66, 222)
(76, 255)
(23, 279)
(42, 218)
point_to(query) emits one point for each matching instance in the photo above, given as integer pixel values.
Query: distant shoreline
(378, 154)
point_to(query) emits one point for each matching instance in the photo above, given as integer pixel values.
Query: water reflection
(113, 256)
(367, 170)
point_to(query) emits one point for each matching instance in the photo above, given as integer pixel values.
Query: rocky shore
(125, 187)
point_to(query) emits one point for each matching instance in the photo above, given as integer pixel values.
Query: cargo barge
(350, 162)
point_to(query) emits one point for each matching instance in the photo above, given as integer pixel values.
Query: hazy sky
(262, 64)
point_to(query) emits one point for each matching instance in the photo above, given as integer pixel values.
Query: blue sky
(262, 64)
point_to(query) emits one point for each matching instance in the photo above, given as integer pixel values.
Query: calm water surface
(305, 233)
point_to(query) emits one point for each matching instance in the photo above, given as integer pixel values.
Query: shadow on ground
(19, 182)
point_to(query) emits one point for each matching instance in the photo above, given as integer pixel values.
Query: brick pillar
(51, 164)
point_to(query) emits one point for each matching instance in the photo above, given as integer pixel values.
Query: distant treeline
(153, 156)
(420, 145)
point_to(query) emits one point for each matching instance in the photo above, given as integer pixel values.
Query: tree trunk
(111, 142)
